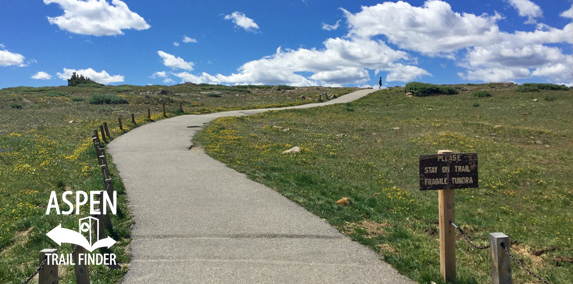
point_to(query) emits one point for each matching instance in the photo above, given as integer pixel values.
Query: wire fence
(35, 272)
(505, 248)
(108, 184)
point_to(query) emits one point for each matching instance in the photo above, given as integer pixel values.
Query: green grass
(482, 94)
(45, 146)
(370, 155)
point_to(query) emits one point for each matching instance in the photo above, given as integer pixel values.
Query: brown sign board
(448, 171)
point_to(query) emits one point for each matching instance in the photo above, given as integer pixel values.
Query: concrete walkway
(198, 221)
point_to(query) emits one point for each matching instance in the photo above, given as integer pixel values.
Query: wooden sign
(448, 171)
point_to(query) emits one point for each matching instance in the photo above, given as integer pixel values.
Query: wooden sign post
(447, 171)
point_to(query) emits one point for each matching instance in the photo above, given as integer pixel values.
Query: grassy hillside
(45, 146)
(368, 151)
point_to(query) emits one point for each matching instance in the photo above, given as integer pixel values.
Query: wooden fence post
(106, 130)
(104, 219)
(164, 114)
(133, 118)
(81, 269)
(149, 113)
(500, 262)
(49, 273)
(102, 133)
(119, 121)
(96, 137)
(447, 232)
(181, 106)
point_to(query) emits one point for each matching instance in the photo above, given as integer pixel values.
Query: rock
(277, 127)
(538, 142)
(302, 97)
(535, 100)
(286, 129)
(409, 96)
(339, 135)
(292, 150)
(497, 126)
(164, 92)
(71, 121)
(343, 201)
(396, 128)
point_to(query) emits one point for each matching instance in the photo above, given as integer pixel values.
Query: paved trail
(198, 221)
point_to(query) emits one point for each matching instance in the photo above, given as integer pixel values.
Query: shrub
(552, 87)
(526, 89)
(476, 105)
(77, 99)
(16, 106)
(423, 89)
(100, 99)
(285, 87)
(56, 94)
(223, 88)
(349, 107)
(549, 98)
(482, 94)
(81, 81)
(214, 95)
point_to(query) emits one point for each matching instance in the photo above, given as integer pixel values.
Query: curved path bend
(198, 221)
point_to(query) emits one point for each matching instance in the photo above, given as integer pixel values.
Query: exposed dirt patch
(525, 251)
(23, 234)
(542, 251)
(563, 259)
(431, 232)
(386, 248)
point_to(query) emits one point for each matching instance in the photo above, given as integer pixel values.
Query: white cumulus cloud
(341, 61)
(496, 74)
(568, 13)
(42, 76)
(433, 29)
(175, 62)
(187, 39)
(474, 42)
(167, 81)
(161, 74)
(100, 77)
(96, 17)
(8, 58)
(331, 27)
(242, 21)
(526, 8)
(175, 43)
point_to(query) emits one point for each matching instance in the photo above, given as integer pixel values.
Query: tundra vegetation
(367, 151)
(45, 146)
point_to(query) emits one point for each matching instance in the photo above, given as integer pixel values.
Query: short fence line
(523, 266)
(49, 273)
(468, 240)
(45, 270)
(35, 272)
(500, 264)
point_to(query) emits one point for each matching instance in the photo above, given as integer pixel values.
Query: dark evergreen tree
(76, 80)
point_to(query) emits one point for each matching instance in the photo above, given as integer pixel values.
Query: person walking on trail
(380, 83)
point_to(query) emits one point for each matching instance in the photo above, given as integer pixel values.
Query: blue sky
(297, 42)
